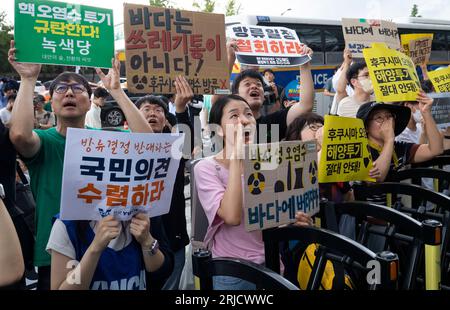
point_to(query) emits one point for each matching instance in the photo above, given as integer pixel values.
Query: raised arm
(10, 252)
(306, 90)
(341, 93)
(183, 96)
(435, 143)
(26, 142)
(111, 81)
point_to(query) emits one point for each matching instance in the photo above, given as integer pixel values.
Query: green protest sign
(60, 33)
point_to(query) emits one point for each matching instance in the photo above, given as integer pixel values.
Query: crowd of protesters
(148, 253)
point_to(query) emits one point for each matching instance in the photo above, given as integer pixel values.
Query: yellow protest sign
(393, 74)
(440, 80)
(345, 154)
(417, 46)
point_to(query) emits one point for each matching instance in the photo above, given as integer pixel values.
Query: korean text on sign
(393, 74)
(114, 173)
(280, 179)
(344, 156)
(268, 46)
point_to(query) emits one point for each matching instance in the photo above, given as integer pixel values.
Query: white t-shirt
(60, 242)
(410, 136)
(348, 89)
(93, 118)
(5, 116)
(348, 107)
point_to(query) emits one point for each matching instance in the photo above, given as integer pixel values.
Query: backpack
(333, 278)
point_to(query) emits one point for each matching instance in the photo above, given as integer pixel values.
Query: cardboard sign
(60, 33)
(268, 46)
(361, 33)
(417, 46)
(279, 180)
(161, 44)
(345, 155)
(117, 173)
(440, 80)
(393, 74)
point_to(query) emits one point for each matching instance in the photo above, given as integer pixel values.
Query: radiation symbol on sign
(139, 82)
(256, 183)
(313, 172)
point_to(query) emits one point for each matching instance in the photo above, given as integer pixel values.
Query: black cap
(402, 114)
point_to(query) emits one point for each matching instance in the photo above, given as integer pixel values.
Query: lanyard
(380, 149)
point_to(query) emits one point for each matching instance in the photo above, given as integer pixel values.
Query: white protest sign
(361, 33)
(280, 179)
(117, 173)
(268, 46)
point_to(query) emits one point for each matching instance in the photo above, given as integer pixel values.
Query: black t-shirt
(276, 118)
(7, 166)
(405, 153)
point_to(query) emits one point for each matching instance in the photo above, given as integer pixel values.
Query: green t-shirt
(46, 169)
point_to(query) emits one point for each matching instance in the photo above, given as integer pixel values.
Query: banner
(60, 33)
(345, 153)
(393, 74)
(440, 80)
(161, 44)
(361, 33)
(441, 109)
(268, 46)
(117, 173)
(280, 179)
(417, 46)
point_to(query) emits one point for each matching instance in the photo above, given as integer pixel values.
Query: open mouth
(152, 121)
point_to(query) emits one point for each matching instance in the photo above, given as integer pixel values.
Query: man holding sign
(43, 150)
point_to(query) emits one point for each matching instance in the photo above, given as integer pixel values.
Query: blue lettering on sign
(307, 202)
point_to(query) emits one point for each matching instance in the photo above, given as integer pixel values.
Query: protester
(220, 190)
(112, 255)
(307, 127)
(43, 150)
(93, 116)
(155, 112)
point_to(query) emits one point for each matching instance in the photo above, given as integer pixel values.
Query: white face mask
(417, 116)
(367, 86)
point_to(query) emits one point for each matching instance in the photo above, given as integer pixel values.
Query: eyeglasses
(364, 76)
(383, 117)
(63, 88)
(314, 127)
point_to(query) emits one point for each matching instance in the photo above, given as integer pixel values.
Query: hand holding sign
(25, 70)
(425, 102)
(112, 80)
(140, 229)
(303, 219)
(107, 229)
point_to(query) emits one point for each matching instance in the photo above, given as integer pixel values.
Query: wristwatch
(153, 248)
